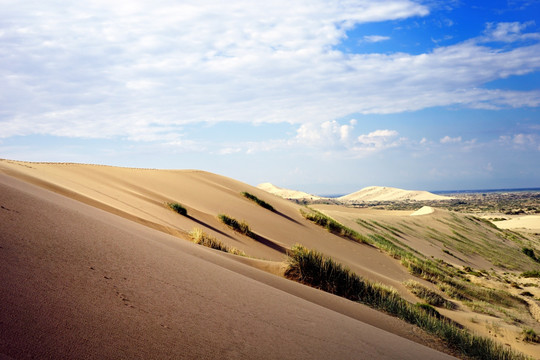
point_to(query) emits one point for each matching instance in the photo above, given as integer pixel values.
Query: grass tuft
(429, 296)
(178, 208)
(529, 335)
(531, 274)
(259, 202)
(313, 268)
(239, 226)
(333, 226)
(200, 237)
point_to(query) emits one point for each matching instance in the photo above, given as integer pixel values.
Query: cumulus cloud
(326, 134)
(141, 71)
(376, 141)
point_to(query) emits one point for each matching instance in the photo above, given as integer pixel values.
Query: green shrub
(201, 238)
(178, 208)
(240, 226)
(530, 335)
(312, 268)
(259, 202)
(531, 274)
(530, 253)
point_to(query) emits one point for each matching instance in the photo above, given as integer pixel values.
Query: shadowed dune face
(78, 282)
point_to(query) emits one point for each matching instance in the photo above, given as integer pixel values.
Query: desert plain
(94, 264)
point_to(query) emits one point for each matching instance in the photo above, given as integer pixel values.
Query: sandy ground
(528, 222)
(99, 268)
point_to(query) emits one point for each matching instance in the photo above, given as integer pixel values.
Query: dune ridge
(383, 193)
(287, 193)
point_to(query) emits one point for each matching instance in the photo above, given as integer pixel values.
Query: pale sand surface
(528, 222)
(79, 282)
(424, 210)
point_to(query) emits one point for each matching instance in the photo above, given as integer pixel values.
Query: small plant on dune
(531, 274)
(529, 335)
(429, 296)
(258, 201)
(239, 226)
(178, 208)
(333, 226)
(200, 237)
(314, 269)
(530, 253)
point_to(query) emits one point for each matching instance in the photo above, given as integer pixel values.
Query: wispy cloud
(375, 38)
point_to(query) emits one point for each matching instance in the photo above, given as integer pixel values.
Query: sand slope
(380, 193)
(80, 282)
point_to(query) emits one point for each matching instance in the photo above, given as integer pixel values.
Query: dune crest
(287, 193)
(424, 210)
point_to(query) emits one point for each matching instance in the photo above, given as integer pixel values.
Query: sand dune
(287, 193)
(424, 210)
(380, 193)
(99, 268)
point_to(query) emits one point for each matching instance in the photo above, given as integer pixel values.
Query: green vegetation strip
(239, 226)
(451, 281)
(429, 296)
(200, 237)
(178, 208)
(259, 202)
(333, 226)
(314, 269)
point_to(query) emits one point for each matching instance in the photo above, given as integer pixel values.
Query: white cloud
(375, 38)
(509, 31)
(450, 140)
(326, 134)
(376, 141)
(137, 70)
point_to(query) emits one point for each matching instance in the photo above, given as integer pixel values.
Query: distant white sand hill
(287, 193)
(380, 193)
(424, 210)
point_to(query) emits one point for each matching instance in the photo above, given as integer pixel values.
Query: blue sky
(322, 96)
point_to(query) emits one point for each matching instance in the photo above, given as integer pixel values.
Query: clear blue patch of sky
(525, 82)
(447, 23)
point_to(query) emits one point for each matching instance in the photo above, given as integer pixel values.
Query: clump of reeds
(428, 295)
(239, 226)
(200, 237)
(178, 208)
(258, 201)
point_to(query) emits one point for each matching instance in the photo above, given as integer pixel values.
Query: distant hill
(383, 193)
(287, 193)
